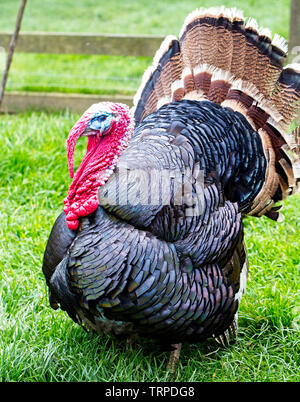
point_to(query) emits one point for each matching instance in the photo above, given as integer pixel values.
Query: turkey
(150, 242)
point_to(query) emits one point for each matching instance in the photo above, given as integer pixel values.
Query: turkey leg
(174, 356)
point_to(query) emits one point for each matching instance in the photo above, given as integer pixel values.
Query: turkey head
(108, 127)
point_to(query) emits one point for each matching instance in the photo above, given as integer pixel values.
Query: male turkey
(151, 238)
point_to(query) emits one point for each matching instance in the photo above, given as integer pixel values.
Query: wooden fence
(62, 43)
(123, 45)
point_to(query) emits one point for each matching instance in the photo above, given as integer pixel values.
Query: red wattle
(73, 225)
(82, 198)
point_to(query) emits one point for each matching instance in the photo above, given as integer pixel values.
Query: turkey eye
(99, 119)
(99, 122)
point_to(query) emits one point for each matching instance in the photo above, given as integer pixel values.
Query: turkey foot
(174, 357)
(131, 340)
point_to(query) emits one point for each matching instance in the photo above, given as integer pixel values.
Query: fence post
(12, 48)
(294, 40)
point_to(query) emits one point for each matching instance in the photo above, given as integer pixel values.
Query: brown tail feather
(277, 59)
(260, 76)
(202, 77)
(197, 39)
(223, 57)
(251, 51)
(219, 86)
(286, 96)
(239, 46)
(286, 99)
(158, 79)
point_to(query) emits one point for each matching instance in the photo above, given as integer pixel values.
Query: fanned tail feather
(286, 94)
(158, 79)
(223, 58)
(251, 53)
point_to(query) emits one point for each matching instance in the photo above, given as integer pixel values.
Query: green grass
(77, 73)
(40, 344)
(102, 74)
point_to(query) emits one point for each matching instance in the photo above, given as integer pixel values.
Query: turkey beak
(88, 132)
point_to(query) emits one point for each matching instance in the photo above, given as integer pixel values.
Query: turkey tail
(222, 58)
(216, 48)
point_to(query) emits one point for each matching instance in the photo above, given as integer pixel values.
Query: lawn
(109, 74)
(40, 344)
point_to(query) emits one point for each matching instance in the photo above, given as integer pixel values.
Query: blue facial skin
(100, 122)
